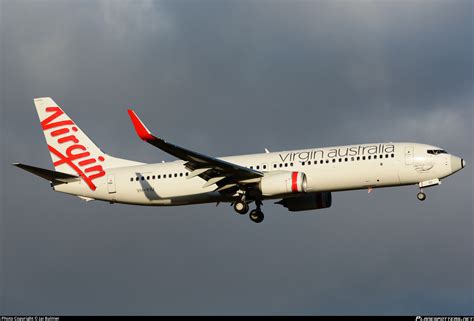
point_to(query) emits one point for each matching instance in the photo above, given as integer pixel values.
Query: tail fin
(72, 152)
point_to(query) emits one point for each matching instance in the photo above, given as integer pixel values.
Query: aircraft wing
(213, 170)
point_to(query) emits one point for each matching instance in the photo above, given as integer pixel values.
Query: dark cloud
(231, 77)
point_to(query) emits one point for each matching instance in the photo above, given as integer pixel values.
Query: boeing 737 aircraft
(301, 179)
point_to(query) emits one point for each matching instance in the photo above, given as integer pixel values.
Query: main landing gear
(242, 207)
(256, 215)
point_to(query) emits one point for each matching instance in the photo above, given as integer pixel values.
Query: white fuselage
(327, 169)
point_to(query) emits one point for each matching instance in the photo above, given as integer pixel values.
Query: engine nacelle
(279, 183)
(308, 202)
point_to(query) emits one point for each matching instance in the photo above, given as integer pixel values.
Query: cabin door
(111, 184)
(409, 155)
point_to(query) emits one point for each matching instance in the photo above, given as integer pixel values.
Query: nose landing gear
(421, 196)
(432, 182)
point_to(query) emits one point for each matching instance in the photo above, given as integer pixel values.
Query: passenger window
(346, 159)
(164, 175)
(264, 166)
(274, 165)
(375, 156)
(340, 160)
(321, 161)
(137, 178)
(358, 157)
(333, 160)
(153, 177)
(258, 166)
(393, 155)
(302, 163)
(175, 175)
(327, 161)
(368, 157)
(363, 157)
(159, 176)
(286, 164)
(187, 174)
(291, 164)
(180, 174)
(281, 165)
(131, 179)
(143, 178)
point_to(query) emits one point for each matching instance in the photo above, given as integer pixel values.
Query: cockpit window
(436, 151)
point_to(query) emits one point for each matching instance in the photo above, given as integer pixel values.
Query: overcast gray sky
(225, 78)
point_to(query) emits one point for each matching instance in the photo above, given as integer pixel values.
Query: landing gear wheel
(241, 207)
(256, 216)
(421, 196)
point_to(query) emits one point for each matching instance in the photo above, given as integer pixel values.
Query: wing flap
(197, 172)
(213, 181)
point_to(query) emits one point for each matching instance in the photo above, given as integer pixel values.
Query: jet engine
(308, 202)
(279, 183)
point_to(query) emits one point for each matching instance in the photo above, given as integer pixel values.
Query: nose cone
(457, 163)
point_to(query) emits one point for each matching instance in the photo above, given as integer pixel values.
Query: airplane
(300, 180)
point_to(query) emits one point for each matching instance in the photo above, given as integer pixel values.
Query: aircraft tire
(421, 196)
(241, 207)
(256, 216)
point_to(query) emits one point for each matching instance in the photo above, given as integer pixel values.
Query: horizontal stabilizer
(47, 174)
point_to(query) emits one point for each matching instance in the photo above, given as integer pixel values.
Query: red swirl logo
(76, 155)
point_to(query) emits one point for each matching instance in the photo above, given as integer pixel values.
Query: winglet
(140, 128)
